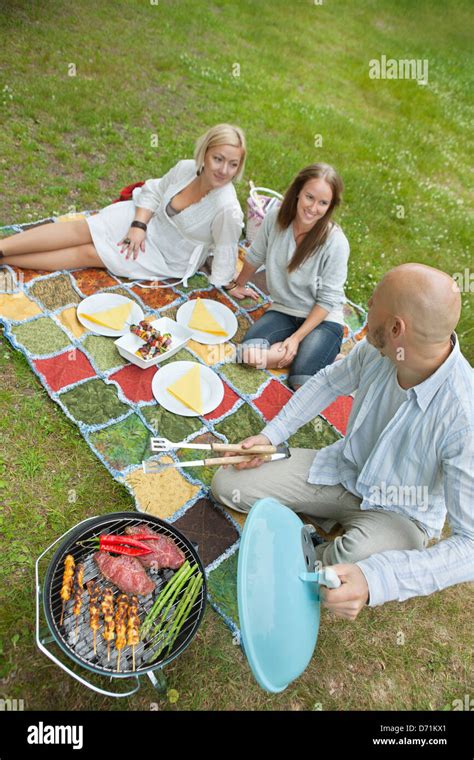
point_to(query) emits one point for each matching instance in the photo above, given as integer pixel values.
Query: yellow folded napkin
(188, 389)
(203, 320)
(114, 318)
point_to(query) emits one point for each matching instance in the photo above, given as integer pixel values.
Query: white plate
(129, 343)
(221, 313)
(212, 388)
(101, 302)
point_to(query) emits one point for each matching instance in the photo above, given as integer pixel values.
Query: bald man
(407, 458)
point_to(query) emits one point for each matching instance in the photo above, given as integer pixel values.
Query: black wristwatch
(140, 225)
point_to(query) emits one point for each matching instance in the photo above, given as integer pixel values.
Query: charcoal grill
(79, 647)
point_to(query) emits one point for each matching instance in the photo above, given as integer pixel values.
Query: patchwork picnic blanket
(112, 403)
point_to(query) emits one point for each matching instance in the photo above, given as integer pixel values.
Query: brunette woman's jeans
(318, 349)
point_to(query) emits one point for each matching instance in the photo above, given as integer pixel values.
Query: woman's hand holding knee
(133, 242)
(290, 347)
(247, 443)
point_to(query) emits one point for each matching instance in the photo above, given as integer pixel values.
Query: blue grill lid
(279, 612)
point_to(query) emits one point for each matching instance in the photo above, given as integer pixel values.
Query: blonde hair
(221, 134)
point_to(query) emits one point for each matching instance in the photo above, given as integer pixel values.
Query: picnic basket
(259, 202)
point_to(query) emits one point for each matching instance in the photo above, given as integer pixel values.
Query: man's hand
(351, 596)
(247, 443)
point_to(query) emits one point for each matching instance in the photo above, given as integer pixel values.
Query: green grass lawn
(73, 141)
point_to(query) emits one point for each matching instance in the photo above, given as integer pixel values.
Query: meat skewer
(108, 614)
(121, 625)
(79, 590)
(94, 622)
(133, 626)
(68, 582)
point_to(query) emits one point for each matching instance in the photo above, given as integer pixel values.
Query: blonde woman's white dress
(175, 246)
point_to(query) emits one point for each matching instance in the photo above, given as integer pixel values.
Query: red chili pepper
(113, 538)
(130, 545)
(146, 537)
(115, 543)
(129, 551)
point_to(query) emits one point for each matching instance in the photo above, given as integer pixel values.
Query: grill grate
(81, 645)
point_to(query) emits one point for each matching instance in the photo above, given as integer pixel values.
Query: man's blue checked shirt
(427, 448)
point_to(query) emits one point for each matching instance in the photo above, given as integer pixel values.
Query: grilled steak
(165, 553)
(125, 572)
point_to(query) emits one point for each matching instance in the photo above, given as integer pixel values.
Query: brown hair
(318, 234)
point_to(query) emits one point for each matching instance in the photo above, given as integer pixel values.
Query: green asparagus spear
(163, 597)
(176, 622)
(179, 624)
(177, 588)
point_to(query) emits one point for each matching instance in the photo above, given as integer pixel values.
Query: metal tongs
(268, 453)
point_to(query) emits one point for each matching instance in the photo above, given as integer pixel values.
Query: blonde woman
(305, 256)
(167, 230)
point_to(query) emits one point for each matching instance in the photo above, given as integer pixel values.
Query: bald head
(427, 300)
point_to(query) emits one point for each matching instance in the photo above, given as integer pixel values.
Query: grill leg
(158, 679)
(45, 636)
